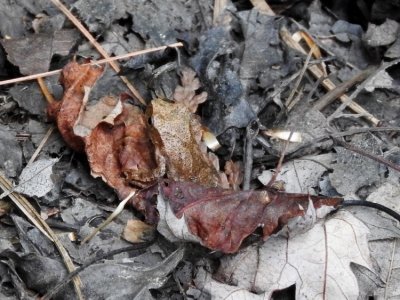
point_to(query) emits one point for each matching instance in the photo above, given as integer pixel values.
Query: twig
(98, 47)
(251, 134)
(350, 99)
(111, 217)
(327, 83)
(300, 149)
(296, 99)
(42, 143)
(95, 62)
(280, 162)
(303, 70)
(29, 211)
(329, 97)
(87, 264)
(219, 6)
(389, 275)
(263, 7)
(366, 154)
(45, 91)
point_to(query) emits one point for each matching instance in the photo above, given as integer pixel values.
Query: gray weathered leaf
(35, 179)
(317, 261)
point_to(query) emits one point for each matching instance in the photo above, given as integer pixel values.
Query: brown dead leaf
(222, 218)
(122, 153)
(105, 110)
(137, 231)
(179, 136)
(5, 207)
(66, 112)
(186, 93)
(137, 155)
(102, 151)
(234, 172)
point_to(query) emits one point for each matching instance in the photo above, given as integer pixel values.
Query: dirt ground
(234, 149)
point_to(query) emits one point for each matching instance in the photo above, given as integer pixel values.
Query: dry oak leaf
(74, 78)
(105, 110)
(178, 138)
(221, 219)
(317, 262)
(136, 231)
(186, 93)
(141, 163)
(122, 153)
(234, 173)
(102, 147)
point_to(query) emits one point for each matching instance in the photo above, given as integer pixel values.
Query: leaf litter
(159, 152)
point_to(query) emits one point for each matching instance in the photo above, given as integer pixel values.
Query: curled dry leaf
(139, 159)
(102, 151)
(105, 110)
(234, 172)
(137, 231)
(66, 112)
(123, 153)
(113, 133)
(178, 136)
(186, 93)
(221, 219)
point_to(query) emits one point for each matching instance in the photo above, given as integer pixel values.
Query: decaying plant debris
(301, 114)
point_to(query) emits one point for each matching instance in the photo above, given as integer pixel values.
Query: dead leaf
(35, 179)
(179, 137)
(105, 110)
(66, 112)
(234, 172)
(33, 54)
(102, 151)
(137, 231)
(301, 176)
(122, 153)
(5, 207)
(186, 93)
(221, 219)
(140, 162)
(317, 262)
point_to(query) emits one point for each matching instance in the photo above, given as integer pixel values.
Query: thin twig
(45, 91)
(303, 70)
(29, 211)
(326, 83)
(299, 151)
(42, 143)
(296, 99)
(90, 262)
(389, 275)
(219, 6)
(263, 7)
(330, 96)
(111, 217)
(350, 99)
(280, 162)
(366, 154)
(98, 47)
(251, 134)
(95, 62)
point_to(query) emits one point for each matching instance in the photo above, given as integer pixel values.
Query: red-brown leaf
(74, 78)
(137, 155)
(222, 219)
